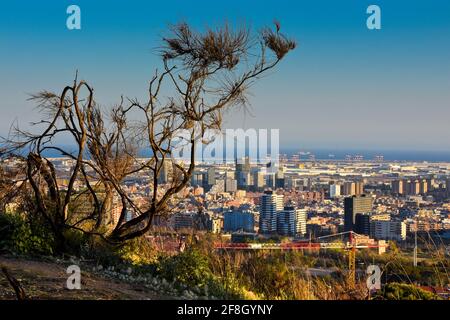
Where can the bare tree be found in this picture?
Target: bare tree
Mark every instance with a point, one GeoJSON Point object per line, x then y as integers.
{"type": "Point", "coordinates": [206, 74]}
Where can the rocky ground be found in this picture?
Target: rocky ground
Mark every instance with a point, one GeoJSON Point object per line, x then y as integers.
{"type": "Point", "coordinates": [47, 280]}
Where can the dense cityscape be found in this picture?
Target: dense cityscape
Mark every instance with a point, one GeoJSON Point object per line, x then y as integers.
{"type": "Point", "coordinates": [303, 198]}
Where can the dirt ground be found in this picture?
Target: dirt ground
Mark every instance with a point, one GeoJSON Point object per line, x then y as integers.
{"type": "Point", "coordinates": [47, 280]}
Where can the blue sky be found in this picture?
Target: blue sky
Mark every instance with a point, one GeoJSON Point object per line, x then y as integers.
{"type": "Point", "coordinates": [343, 87]}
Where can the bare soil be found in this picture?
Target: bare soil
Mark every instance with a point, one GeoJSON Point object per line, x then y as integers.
{"type": "Point", "coordinates": [44, 280]}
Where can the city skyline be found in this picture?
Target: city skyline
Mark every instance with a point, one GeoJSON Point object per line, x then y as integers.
{"type": "Point", "coordinates": [346, 87]}
{"type": "Point", "coordinates": [227, 151]}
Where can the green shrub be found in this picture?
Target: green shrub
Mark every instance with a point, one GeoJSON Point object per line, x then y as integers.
{"type": "Point", "coordinates": [138, 251]}
{"type": "Point", "coordinates": [269, 276]}
{"type": "Point", "coordinates": [76, 242]}
{"type": "Point", "coordinates": [8, 223]}
{"type": "Point", "coordinates": [401, 291]}
{"type": "Point", "coordinates": [189, 268]}
{"type": "Point", "coordinates": [23, 237]}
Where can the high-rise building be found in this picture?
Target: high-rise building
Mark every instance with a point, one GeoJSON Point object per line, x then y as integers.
{"type": "Point", "coordinates": [359, 188]}
{"type": "Point", "coordinates": [239, 220]}
{"type": "Point", "coordinates": [430, 184]}
{"type": "Point", "coordinates": [271, 180]}
{"type": "Point", "coordinates": [362, 223]}
{"type": "Point", "coordinates": [423, 186]}
{"type": "Point", "coordinates": [230, 185]}
{"type": "Point", "coordinates": [243, 176]}
{"type": "Point", "coordinates": [291, 221]}
{"type": "Point", "coordinates": [388, 230]}
{"type": "Point", "coordinates": [397, 187]}
{"type": "Point", "coordinates": [412, 187]}
{"type": "Point", "coordinates": [354, 205]}
{"type": "Point", "coordinates": [349, 188]}
{"type": "Point", "coordinates": [406, 187]}
{"type": "Point", "coordinates": [209, 179]}
{"type": "Point", "coordinates": [270, 205]}
{"type": "Point", "coordinates": [279, 178]}
{"type": "Point", "coordinates": [197, 178]}
{"type": "Point", "coordinates": [335, 190]}
{"type": "Point", "coordinates": [166, 172]}
{"type": "Point", "coordinates": [259, 180]}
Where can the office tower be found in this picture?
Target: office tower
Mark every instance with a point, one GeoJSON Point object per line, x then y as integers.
{"type": "Point", "coordinates": [362, 223]}
{"type": "Point", "coordinates": [230, 174]}
{"type": "Point", "coordinates": [243, 164]}
{"type": "Point", "coordinates": [397, 187]}
{"type": "Point", "coordinates": [239, 220]}
{"type": "Point", "coordinates": [406, 187]}
{"type": "Point", "coordinates": [211, 174]}
{"type": "Point", "coordinates": [415, 187]}
{"type": "Point", "coordinates": [354, 205]}
{"type": "Point", "coordinates": [197, 178]}
{"type": "Point", "coordinates": [412, 187]}
{"type": "Point", "coordinates": [291, 221]}
{"type": "Point", "coordinates": [270, 180]}
{"type": "Point", "coordinates": [166, 172]}
{"type": "Point", "coordinates": [259, 180]}
{"type": "Point", "coordinates": [270, 205]}
{"type": "Point", "coordinates": [430, 183]}
{"type": "Point", "coordinates": [335, 190]}
{"type": "Point", "coordinates": [230, 185]}
{"type": "Point", "coordinates": [279, 178]}
{"type": "Point", "coordinates": [423, 185]}
{"type": "Point", "coordinates": [209, 179]}
{"type": "Point", "coordinates": [359, 188]}
{"type": "Point", "coordinates": [243, 176]}
{"type": "Point", "coordinates": [349, 188]}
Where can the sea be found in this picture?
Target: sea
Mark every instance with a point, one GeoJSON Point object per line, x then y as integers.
{"type": "Point", "coordinates": [345, 154]}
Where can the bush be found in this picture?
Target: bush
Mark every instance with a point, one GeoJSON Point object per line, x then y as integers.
{"type": "Point", "coordinates": [138, 251]}
{"type": "Point", "coordinates": [76, 242]}
{"type": "Point", "coordinates": [189, 268]}
{"type": "Point", "coordinates": [19, 235]}
{"type": "Point", "coordinates": [269, 276]}
{"type": "Point", "coordinates": [401, 291]}
{"type": "Point", "coordinates": [8, 224]}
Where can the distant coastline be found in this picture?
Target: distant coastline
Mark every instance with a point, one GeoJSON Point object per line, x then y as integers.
{"type": "Point", "coordinates": [388, 155]}
{"type": "Point", "coordinates": [330, 154]}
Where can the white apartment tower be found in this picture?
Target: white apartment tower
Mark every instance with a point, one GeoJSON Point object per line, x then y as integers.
{"type": "Point", "coordinates": [271, 204]}
{"type": "Point", "coordinates": [335, 190]}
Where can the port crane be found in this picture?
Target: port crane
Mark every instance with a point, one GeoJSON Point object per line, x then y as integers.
{"type": "Point", "coordinates": [355, 242]}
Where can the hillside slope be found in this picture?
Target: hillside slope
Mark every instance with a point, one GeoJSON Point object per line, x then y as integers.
{"type": "Point", "coordinates": [47, 280]}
